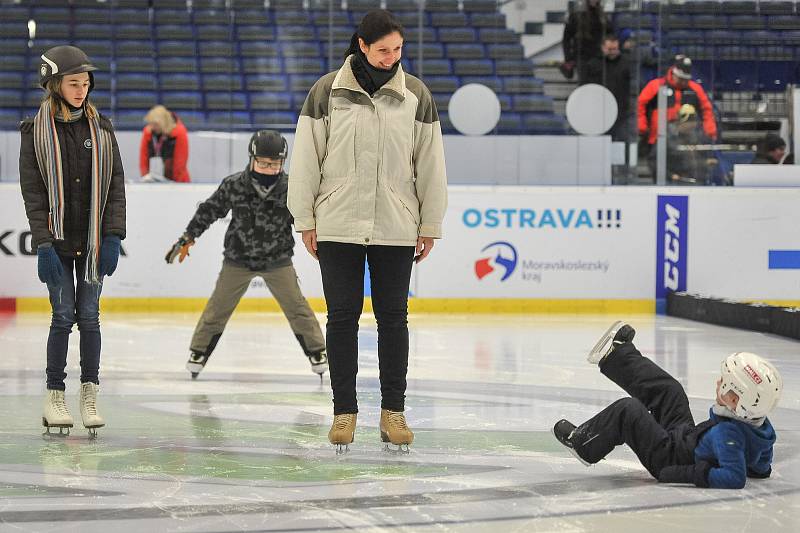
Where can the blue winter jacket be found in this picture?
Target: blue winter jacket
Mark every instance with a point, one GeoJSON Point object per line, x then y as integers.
{"type": "Point", "coordinates": [736, 451]}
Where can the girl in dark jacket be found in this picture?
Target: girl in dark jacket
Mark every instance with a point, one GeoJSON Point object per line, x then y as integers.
{"type": "Point", "coordinates": [73, 186]}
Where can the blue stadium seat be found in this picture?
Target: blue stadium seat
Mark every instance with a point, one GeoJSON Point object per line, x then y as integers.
{"type": "Point", "coordinates": [495, 35]}
{"type": "Point", "coordinates": [258, 49]}
{"type": "Point", "coordinates": [216, 48]}
{"type": "Point", "coordinates": [221, 82]}
{"type": "Point", "coordinates": [134, 49]}
{"type": "Point", "coordinates": [509, 124]}
{"type": "Point", "coordinates": [254, 32]}
{"type": "Point", "coordinates": [746, 22]}
{"type": "Point", "coordinates": [172, 32]}
{"type": "Point", "coordinates": [473, 67]}
{"type": "Point", "coordinates": [193, 119]}
{"type": "Point", "coordinates": [132, 31]}
{"type": "Point", "coordinates": [210, 17]}
{"type": "Point", "coordinates": [262, 65]}
{"type": "Point", "coordinates": [14, 64]}
{"type": "Point", "coordinates": [12, 30]}
{"type": "Point", "coordinates": [291, 18]}
{"type": "Point", "coordinates": [495, 83]}
{"type": "Point", "coordinates": [305, 65]}
{"type": "Point", "coordinates": [176, 48]}
{"type": "Point", "coordinates": [723, 37]}
{"type": "Point", "coordinates": [544, 124]}
{"type": "Point", "coordinates": [431, 67]}
{"type": "Point", "coordinates": [445, 124]}
{"type": "Point", "coordinates": [265, 101]}
{"type": "Point", "coordinates": [101, 99]}
{"type": "Point", "coordinates": [442, 101]}
{"type": "Point", "coordinates": [229, 119]}
{"type": "Point", "coordinates": [135, 64]}
{"type": "Point", "coordinates": [413, 34]}
{"type": "Point", "coordinates": [9, 118]}
{"type": "Point", "coordinates": [302, 82]}
{"type": "Point", "coordinates": [229, 100]}
{"type": "Point", "coordinates": [483, 6]}
{"type": "Point", "coordinates": [519, 67]}
{"type": "Point", "coordinates": [11, 80]}
{"type": "Point", "coordinates": [180, 64]}
{"type": "Point", "coordinates": [192, 101]}
{"type": "Point", "coordinates": [522, 84]}
{"type": "Point", "coordinates": [139, 99]}
{"type": "Point", "coordinates": [219, 65]}
{"type": "Point", "coordinates": [253, 16]}
{"type": "Point", "coordinates": [442, 84]}
{"type": "Point", "coordinates": [131, 16]}
{"type": "Point", "coordinates": [465, 51]}
{"type": "Point", "coordinates": [457, 35]}
{"type": "Point", "coordinates": [409, 19]}
{"type": "Point", "coordinates": [776, 7]}
{"type": "Point", "coordinates": [49, 14]}
{"type": "Point", "coordinates": [215, 33]}
{"type": "Point", "coordinates": [12, 13]}
{"type": "Point", "coordinates": [281, 120]}
{"type": "Point", "coordinates": [176, 17]}
{"type": "Point", "coordinates": [130, 82]}
{"type": "Point", "coordinates": [264, 82]}
{"type": "Point", "coordinates": [454, 19]}
{"type": "Point", "coordinates": [783, 22]}
{"type": "Point", "coordinates": [533, 103]}
{"type": "Point", "coordinates": [336, 18]}
{"type": "Point", "coordinates": [676, 21]}
{"type": "Point", "coordinates": [94, 48]}
{"type": "Point", "coordinates": [129, 119]}
{"type": "Point", "coordinates": [505, 102]}
{"type": "Point", "coordinates": [488, 20]}
{"type": "Point", "coordinates": [10, 98]}
{"type": "Point", "coordinates": [791, 37]}
{"type": "Point", "coordinates": [710, 22]}
{"type": "Point", "coordinates": [295, 33]}
{"type": "Point", "coordinates": [429, 50]}
{"type": "Point", "coordinates": [441, 5]}
{"type": "Point", "coordinates": [180, 82]}
{"type": "Point", "coordinates": [505, 51]}
{"type": "Point", "coordinates": [56, 31]}
{"type": "Point", "coordinates": [300, 49]}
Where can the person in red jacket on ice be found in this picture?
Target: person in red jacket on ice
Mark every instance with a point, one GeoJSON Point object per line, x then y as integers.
{"type": "Point", "coordinates": [164, 150]}
{"type": "Point", "coordinates": [681, 90]}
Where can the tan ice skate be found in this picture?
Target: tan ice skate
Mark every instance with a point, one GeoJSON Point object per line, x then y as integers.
{"type": "Point", "coordinates": [395, 431]}
{"type": "Point", "coordinates": [56, 414]}
{"type": "Point", "coordinates": [88, 401]}
{"type": "Point", "coordinates": [343, 431]}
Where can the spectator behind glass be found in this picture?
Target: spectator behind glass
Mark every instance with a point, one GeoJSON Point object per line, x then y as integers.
{"type": "Point", "coordinates": [583, 35]}
{"type": "Point", "coordinates": [682, 90]}
{"type": "Point", "coordinates": [771, 150]}
{"type": "Point", "coordinates": [164, 150]}
{"type": "Point", "coordinates": [613, 71]}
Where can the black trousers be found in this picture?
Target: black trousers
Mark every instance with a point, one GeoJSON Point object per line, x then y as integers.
{"type": "Point", "coordinates": [342, 267]}
{"type": "Point", "coordinates": [655, 422]}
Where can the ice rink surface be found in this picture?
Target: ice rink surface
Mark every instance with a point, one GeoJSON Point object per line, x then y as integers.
{"type": "Point", "coordinates": [244, 447]}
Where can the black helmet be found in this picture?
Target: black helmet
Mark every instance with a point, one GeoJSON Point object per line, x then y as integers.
{"type": "Point", "coordinates": [268, 143]}
{"type": "Point", "coordinates": [682, 67]}
{"type": "Point", "coordinates": [63, 60]}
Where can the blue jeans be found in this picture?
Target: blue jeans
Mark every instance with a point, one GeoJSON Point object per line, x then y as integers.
{"type": "Point", "coordinates": [73, 300]}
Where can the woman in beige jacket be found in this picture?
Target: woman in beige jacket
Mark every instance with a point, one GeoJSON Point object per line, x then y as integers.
{"type": "Point", "coordinates": [368, 181]}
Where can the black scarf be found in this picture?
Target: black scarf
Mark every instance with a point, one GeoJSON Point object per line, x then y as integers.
{"type": "Point", "coordinates": [265, 180]}
{"type": "Point", "coordinates": [370, 78]}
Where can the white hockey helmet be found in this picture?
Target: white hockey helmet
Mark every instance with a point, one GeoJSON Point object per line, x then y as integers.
{"type": "Point", "coordinates": [755, 381]}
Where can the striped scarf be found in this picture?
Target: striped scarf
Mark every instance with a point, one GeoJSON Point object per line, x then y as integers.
{"type": "Point", "coordinates": [48, 155]}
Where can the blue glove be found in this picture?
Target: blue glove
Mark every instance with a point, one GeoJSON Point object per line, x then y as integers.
{"type": "Point", "coordinates": [109, 255]}
{"type": "Point", "coordinates": [49, 266]}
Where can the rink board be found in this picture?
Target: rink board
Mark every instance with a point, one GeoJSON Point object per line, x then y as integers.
{"type": "Point", "coordinates": [505, 249]}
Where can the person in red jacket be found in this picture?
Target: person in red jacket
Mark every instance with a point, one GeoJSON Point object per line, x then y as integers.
{"type": "Point", "coordinates": [165, 139]}
{"type": "Point", "coordinates": [682, 90]}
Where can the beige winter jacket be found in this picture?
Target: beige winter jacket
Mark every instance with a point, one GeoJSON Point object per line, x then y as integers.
{"type": "Point", "coordinates": [368, 170]}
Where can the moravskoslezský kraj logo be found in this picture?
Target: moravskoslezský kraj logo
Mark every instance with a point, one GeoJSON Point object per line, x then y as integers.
{"type": "Point", "coordinates": [503, 257]}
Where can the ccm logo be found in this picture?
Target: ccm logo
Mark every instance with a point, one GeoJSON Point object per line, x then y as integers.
{"type": "Point", "coordinates": [753, 374]}
{"type": "Point", "coordinates": [672, 247]}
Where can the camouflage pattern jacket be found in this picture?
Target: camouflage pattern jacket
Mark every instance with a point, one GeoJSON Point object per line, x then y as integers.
{"type": "Point", "coordinates": [259, 236]}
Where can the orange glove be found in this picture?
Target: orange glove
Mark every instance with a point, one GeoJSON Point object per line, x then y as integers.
{"type": "Point", "coordinates": [180, 249]}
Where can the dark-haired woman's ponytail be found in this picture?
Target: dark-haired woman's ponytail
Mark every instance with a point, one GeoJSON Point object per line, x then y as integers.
{"type": "Point", "coordinates": [353, 45]}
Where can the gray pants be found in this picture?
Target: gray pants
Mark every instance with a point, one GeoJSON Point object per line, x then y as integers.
{"type": "Point", "coordinates": [233, 282]}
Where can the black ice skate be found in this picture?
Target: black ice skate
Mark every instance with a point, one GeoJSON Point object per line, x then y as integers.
{"type": "Point", "coordinates": [319, 363]}
{"type": "Point", "coordinates": [618, 333]}
{"type": "Point", "coordinates": [563, 430]}
{"type": "Point", "coordinates": [196, 362]}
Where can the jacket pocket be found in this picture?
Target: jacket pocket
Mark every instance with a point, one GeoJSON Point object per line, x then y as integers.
{"type": "Point", "coordinates": [403, 193]}
{"type": "Point", "coordinates": [328, 189]}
